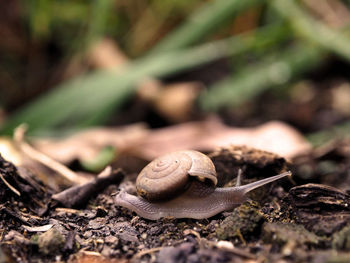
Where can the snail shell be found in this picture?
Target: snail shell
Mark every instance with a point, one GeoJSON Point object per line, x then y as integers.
{"type": "Point", "coordinates": [173, 173]}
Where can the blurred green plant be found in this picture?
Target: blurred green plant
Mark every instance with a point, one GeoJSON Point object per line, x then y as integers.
{"type": "Point", "coordinates": [98, 20]}
{"type": "Point", "coordinates": [291, 43]}
{"type": "Point", "coordinates": [312, 30]}
{"type": "Point", "coordinates": [274, 71]}
{"type": "Point", "coordinates": [336, 132]}
{"type": "Point", "coordinates": [203, 22]}
{"type": "Point", "coordinates": [90, 99]}
{"type": "Point", "coordinates": [99, 162]}
{"type": "Point", "coordinates": [103, 92]}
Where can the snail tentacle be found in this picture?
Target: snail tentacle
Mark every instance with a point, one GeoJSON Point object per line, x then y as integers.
{"type": "Point", "coordinates": [249, 187]}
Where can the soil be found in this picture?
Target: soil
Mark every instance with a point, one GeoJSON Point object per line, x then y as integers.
{"type": "Point", "coordinates": [291, 220]}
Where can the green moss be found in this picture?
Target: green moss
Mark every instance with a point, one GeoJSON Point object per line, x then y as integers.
{"type": "Point", "coordinates": [242, 223]}
{"type": "Point", "coordinates": [51, 242]}
{"type": "Point", "coordinates": [341, 239]}
{"type": "Point", "coordinates": [281, 233]}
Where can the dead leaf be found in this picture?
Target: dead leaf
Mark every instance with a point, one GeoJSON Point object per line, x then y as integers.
{"type": "Point", "coordinates": [9, 151]}
{"type": "Point", "coordinates": [340, 95]}
{"type": "Point", "coordinates": [106, 55]}
{"type": "Point", "coordinates": [334, 13]}
{"type": "Point", "coordinates": [275, 136]}
{"type": "Point", "coordinates": [85, 145]}
{"type": "Point", "coordinates": [208, 135]}
{"type": "Point", "coordinates": [174, 101]}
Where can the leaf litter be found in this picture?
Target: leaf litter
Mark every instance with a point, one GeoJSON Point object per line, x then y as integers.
{"type": "Point", "coordinates": [284, 222]}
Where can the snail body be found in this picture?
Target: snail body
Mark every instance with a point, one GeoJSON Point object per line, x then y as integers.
{"type": "Point", "coordinates": [193, 197]}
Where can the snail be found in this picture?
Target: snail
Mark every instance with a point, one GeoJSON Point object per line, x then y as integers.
{"type": "Point", "coordinates": [182, 185]}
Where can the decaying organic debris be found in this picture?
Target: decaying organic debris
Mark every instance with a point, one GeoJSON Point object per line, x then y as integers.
{"type": "Point", "coordinates": [321, 209]}
{"type": "Point", "coordinates": [314, 217]}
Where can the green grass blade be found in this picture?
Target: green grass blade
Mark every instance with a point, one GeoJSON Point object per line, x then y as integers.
{"type": "Point", "coordinates": [203, 22]}
{"type": "Point", "coordinates": [39, 14]}
{"type": "Point", "coordinates": [89, 99]}
{"type": "Point", "coordinates": [100, 11]}
{"type": "Point", "coordinates": [335, 132]}
{"type": "Point", "coordinates": [254, 79]}
{"type": "Point", "coordinates": [312, 30]}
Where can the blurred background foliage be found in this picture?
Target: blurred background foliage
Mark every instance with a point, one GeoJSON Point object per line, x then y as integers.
{"type": "Point", "coordinates": [255, 59]}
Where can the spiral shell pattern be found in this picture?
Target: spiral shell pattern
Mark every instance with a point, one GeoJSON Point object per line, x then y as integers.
{"type": "Point", "coordinates": [169, 175]}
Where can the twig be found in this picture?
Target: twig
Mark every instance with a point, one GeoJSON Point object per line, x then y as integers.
{"type": "Point", "coordinates": [10, 186]}
{"type": "Point", "coordinates": [78, 195]}
{"type": "Point", "coordinates": [44, 159]}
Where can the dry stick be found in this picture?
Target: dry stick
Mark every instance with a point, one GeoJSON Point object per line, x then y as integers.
{"type": "Point", "coordinates": [44, 159]}
{"type": "Point", "coordinates": [84, 187]}
{"type": "Point", "coordinates": [9, 186]}
{"type": "Point", "coordinates": [79, 195]}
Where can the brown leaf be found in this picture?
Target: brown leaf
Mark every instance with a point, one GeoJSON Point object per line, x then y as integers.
{"type": "Point", "coordinates": [208, 135]}
{"type": "Point", "coordinates": [175, 102]}
{"type": "Point", "coordinates": [276, 137]}
{"type": "Point", "coordinates": [106, 55]}
{"type": "Point", "coordinates": [86, 144]}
